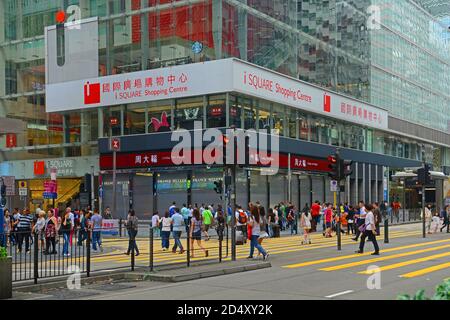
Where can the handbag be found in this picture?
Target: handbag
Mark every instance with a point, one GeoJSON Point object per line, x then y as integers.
{"type": "Point", "coordinates": [362, 228]}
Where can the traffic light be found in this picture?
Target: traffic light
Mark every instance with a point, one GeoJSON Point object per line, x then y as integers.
{"type": "Point", "coordinates": [346, 168]}
{"type": "Point", "coordinates": [225, 141]}
{"type": "Point", "coordinates": [334, 167]}
{"type": "Point", "coordinates": [423, 175]}
{"type": "Point", "coordinates": [218, 186]}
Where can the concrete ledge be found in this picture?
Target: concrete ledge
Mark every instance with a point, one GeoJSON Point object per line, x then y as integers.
{"type": "Point", "coordinates": [205, 274]}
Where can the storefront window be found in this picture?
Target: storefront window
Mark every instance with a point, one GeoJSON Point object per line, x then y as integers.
{"type": "Point", "coordinates": [303, 126]}
{"type": "Point", "coordinates": [249, 113]}
{"type": "Point", "coordinates": [235, 112]}
{"type": "Point", "coordinates": [159, 116]}
{"type": "Point", "coordinates": [188, 111]}
{"type": "Point", "coordinates": [291, 117]}
{"type": "Point", "coordinates": [112, 122]}
{"type": "Point", "coordinates": [278, 116]}
{"type": "Point", "coordinates": [265, 123]}
{"type": "Point", "coordinates": [135, 119]}
{"type": "Point", "coordinates": [216, 117]}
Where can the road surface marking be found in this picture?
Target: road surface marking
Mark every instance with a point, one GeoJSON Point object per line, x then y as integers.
{"type": "Point", "coordinates": [406, 263]}
{"type": "Point", "coordinates": [314, 262]}
{"type": "Point", "coordinates": [242, 252]}
{"type": "Point", "coordinates": [339, 294]}
{"type": "Point", "coordinates": [421, 272]}
{"type": "Point", "coordinates": [394, 256]}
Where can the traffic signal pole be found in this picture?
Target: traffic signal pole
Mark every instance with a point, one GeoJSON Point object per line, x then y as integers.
{"type": "Point", "coordinates": [423, 212]}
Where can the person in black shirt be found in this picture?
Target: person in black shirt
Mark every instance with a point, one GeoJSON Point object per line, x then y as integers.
{"type": "Point", "coordinates": [351, 220]}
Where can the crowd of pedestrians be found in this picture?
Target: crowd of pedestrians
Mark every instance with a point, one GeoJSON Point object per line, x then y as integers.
{"type": "Point", "coordinates": [22, 227]}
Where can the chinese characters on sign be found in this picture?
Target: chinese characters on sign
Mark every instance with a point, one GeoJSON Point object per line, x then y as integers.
{"type": "Point", "coordinates": [361, 113]}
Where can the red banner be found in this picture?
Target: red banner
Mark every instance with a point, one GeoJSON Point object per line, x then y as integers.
{"type": "Point", "coordinates": [163, 158]}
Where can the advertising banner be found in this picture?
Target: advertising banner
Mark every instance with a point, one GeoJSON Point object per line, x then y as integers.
{"type": "Point", "coordinates": [110, 227]}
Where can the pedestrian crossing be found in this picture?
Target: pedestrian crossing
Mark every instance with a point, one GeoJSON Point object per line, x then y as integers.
{"type": "Point", "coordinates": [424, 257]}
{"type": "Point", "coordinates": [275, 246]}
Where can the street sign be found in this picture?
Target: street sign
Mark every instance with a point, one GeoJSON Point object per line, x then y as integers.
{"type": "Point", "coordinates": [10, 184]}
{"type": "Point", "coordinates": [115, 144]}
{"type": "Point", "coordinates": [22, 184]}
{"type": "Point", "coordinates": [334, 186]}
{"type": "Point", "coordinates": [23, 192]}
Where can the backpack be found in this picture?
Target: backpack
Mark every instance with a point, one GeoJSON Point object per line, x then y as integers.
{"type": "Point", "coordinates": [242, 217]}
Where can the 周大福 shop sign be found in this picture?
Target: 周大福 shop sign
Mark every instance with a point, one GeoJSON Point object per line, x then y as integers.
{"type": "Point", "coordinates": [219, 76]}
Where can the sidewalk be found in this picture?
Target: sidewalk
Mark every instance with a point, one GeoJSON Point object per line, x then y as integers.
{"type": "Point", "coordinates": [119, 280]}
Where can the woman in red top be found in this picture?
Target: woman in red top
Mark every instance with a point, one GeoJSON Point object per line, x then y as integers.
{"type": "Point", "coordinates": [328, 217]}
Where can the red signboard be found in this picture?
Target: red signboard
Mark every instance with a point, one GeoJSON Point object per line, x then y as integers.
{"type": "Point", "coordinates": [11, 140]}
{"type": "Point", "coordinates": [39, 168]}
{"type": "Point", "coordinates": [163, 158]}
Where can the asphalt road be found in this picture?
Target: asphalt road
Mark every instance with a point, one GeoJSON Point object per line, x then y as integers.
{"type": "Point", "coordinates": [408, 263]}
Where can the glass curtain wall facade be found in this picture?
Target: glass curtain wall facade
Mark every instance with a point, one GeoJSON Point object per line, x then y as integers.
{"type": "Point", "coordinates": [401, 64]}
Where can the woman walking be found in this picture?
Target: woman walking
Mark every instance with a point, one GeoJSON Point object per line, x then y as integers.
{"type": "Point", "coordinates": [66, 228]}
{"type": "Point", "coordinates": [305, 223]}
{"type": "Point", "coordinates": [369, 231]}
{"type": "Point", "coordinates": [50, 232]}
{"type": "Point", "coordinates": [195, 232]}
{"type": "Point", "coordinates": [39, 227]}
{"type": "Point", "coordinates": [256, 229]}
{"type": "Point", "coordinates": [262, 227]}
{"type": "Point", "coordinates": [132, 227]}
{"type": "Point", "coordinates": [166, 223]}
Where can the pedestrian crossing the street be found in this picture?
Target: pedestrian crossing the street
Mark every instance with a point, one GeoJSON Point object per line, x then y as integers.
{"type": "Point", "coordinates": [275, 246]}
{"type": "Point", "coordinates": [410, 261]}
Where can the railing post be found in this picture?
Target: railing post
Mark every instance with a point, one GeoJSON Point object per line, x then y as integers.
{"type": "Point", "coordinates": [120, 228]}
{"type": "Point", "coordinates": [133, 248]}
{"type": "Point", "coordinates": [151, 248]}
{"type": "Point", "coordinates": [386, 230]}
{"type": "Point", "coordinates": [226, 249]}
{"type": "Point", "coordinates": [220, 249]}
{"type": "Point", "coordinates": [36, 259]}
{"type": "Point", "coordinates": [88, 253]}
{"type": "Point", "coordinates": [188, 247]}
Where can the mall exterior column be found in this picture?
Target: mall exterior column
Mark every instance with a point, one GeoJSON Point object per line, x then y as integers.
{"type": "Point", "coordinates": [145, 46]}
{"type": "Point", "coordinates": [217, 15]}
{"type": "Point", "coordinates": [369, 193]}
{"type": "Point", "coordinates": [242, 32]}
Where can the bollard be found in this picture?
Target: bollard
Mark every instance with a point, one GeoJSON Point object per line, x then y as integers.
{"type": "Point", "coordinates": [151, 248]}
{"type": "Point", "coordinates": [386, 230]}
{"type": "Point", "coordinates": [338, 230]}
{"type": "Point", "coordinates": [36, 260]}
{"type": "Point", "coordinates": [120, 228]}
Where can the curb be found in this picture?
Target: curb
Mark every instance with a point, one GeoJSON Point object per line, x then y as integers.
{"type": "Point", "coordinates": [196, 275]}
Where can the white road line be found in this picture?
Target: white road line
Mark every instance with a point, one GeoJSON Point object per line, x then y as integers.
{"type": "Point", "coordinates": [339, 294]}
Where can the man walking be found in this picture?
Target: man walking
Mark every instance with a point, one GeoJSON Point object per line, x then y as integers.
{"type": "Point", "coordinates": [207, 221]}
{"type": "Point", "coordinates": [178, 226]}
{"type": "Point", "coordinates": [185, 212]}
{"type": "Point", "coordinates": [24, 227]}
{"type": "Point", "coordinates": [96, 221]}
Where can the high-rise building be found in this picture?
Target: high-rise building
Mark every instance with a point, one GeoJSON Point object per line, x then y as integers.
{"type": "Point", "coordinates": [386, 62]}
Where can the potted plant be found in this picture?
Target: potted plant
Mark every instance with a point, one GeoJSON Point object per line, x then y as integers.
{"type": "Point", "coordinates": [5, 274]}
